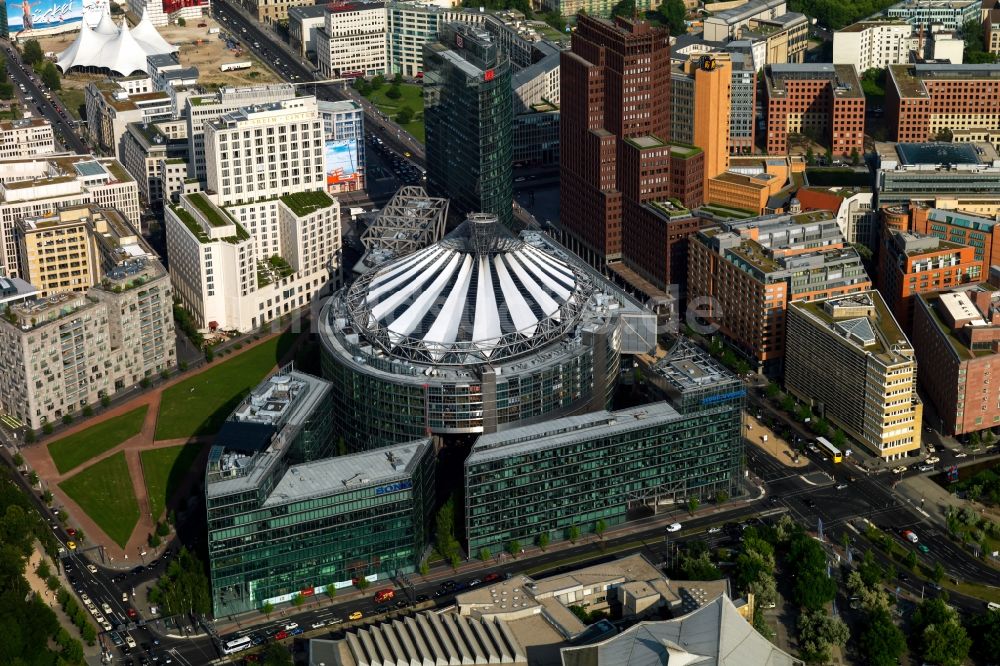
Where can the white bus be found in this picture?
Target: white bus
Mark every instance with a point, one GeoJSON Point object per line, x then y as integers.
{"type": "Point", "coordinates": [238, 645]}
{"type": "Point", "coordinates": [232, 66]}
{"type": "Point", "coordinates": [830, 450]}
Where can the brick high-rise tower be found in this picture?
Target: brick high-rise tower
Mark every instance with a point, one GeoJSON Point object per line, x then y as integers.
{"type": "Point", "coordinates": [615, 129]}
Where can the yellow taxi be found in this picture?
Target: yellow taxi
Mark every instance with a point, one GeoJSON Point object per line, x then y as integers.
{"type": "Point", "coordinates": [356, 615]}
{"type": "Point", "coordinates": [71, 545]}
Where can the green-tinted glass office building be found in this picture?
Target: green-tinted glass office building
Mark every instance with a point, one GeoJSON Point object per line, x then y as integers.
{"type": "Point", "coordinates": [609, 466]}
{"type": "Point", "coordinates": [284, 518]}
{"type": "Point", "coordinates": [469, 122]}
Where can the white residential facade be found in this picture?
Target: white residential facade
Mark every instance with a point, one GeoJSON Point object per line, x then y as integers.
{"type": "Point", "coordinates": [26, 137]}
{"type": "Point", "coordinates": [264, 239]}
{"type": "Point", "coordinates": [873, 44]}
{"type": "Point", "coordinates": [32, 188]}
{"type": "Point", "coordinates": [352, 41]}
{"type": "Point", "coordinates": [200, 108]}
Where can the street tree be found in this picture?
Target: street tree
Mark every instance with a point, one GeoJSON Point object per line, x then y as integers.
{"type": "Point", "coordinates": [573, 533]}
{"type": "Point", "coordinates": [266, 609]}
{"type": "Point", "coordinates": [600, 527]}
{"type": "Point", "coordinates": [882, 642]}
{"type": "Point", "coordinates": [485, 554]}
{"type": "Point", "coordinates": [543, 541]}
{"type": "Point", "coordinates": [514, 548]}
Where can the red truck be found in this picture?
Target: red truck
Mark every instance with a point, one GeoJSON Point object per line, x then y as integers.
{"type": "Point", "coordinates": [383, 596]}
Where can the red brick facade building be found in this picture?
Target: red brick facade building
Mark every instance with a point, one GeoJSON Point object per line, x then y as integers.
{"type": "Point", "coordinates": [956, 337]}
{"type": "Point", "coordinates": [923, 100]}
{"type": "Point", "coordinates": [817, 100]}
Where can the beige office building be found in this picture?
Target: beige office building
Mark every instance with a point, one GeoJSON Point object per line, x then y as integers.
{"type": "Point", "coordinates": [57, 251]}
{"type": "Point", "coordinates": [850, 360]}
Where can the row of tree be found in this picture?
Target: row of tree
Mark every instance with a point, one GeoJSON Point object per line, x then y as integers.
{"type": "Point", "coordinates": [184, 589]}
{"type": "Point", "coordinates": [31, 631]}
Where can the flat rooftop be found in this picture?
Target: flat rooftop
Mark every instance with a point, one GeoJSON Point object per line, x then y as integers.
{"type": "Point", "coordinates": [388, 469]}
{"type": "Point", "coordinates": [877, 333]}
{"type": "Point", "coordinates": [843, 78]}
{"type": "Point", "coordinates": [563, 431]}
{"type": "Point", "coordinates": [937, 152]}
{"type": "Point", "coordinates": [687, 367]}
{"type": "Point", "coordinates": [909, 78]}
{"type": "Point", "coordinates": [861, 26]}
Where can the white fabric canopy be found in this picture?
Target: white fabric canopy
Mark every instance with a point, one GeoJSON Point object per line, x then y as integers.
{"type": "Point", "coordinates": [121, 50]}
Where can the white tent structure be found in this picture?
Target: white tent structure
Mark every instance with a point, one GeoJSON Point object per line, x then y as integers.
{"type": "Point", "coordinates": [121, 50]}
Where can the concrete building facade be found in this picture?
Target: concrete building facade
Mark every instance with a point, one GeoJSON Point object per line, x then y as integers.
{"type": "Point", "coordinates": [873, 44]}
{"type": "Point", "coordinates": [265, 238]}
{"type": "Point", "coordinates": [849, 359]}
{"type": "Point", "coordinates": [36, 188]}
{"type": "Point", "coordinates": [26, 137]}
{"type": "Point", "coordinates": [352, 41]}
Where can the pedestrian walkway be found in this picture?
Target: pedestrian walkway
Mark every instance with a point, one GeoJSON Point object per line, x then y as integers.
{"type": "Point", "coordinates": [37, 456]}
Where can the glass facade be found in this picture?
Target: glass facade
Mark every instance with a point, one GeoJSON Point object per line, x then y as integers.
{"type": "Point", "coordinates": [576, 471]}
{"type": "Point", "coordinates": [264, 548]}
{"type": "Point", "coordinates": [468, 117]}
{"type": "Point", "coordinates": [378, 402]}
{"type": "Point", "coordinates": [286, 517]}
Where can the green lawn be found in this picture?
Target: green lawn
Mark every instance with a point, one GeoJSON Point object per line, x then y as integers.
{"type": "Point", "coordinates": [164, 470]}
{"type": "Point", "coordinates": [74, 101]}
{"type": "Point", "coordinates": [199, 404]}
{"type": "Point", "coordinates": [104, 491]}
{"type": "Point", "coordinates": [70, 451]}
{"type": "Point", "coordinates": [412, 96]}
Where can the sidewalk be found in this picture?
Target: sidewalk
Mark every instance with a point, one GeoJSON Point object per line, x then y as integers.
{"type": "Point", "coordinates": [38, 458]}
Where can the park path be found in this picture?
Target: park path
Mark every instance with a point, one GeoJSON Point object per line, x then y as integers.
{"type": "Point", "coordinates": [42, 463]}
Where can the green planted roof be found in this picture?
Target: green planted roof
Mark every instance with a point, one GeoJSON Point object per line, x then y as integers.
{"type": "Point", "coordinates": [303, 203]}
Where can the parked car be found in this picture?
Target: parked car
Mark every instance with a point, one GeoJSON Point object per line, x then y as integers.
{"type": "Point", "coordinates": [926, 468]}
{"type": "Point", "coordinates": [899, 470]}
{"type": "Point", "coordinates": [319, 624]}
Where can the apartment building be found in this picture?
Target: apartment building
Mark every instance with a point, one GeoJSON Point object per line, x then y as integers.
{"type": "Point", "coordinates": [600, 8]}
{"type": "Point", "coordinates": [873, 44]}
{"type": "Point", "coordinates": [35, 188]}
{"type": "Point", "coordinates": [111, 107]}
{"type": "Point", "coordinates": [912, 263]}
{"type": "Point", "coordinates": [352, 41]}
{"type": "Point", "coordinates": [58, 252]}
{"type": "Point", "coordinates": [952, 14]}
{"type": "Point", "coordinates": [264, 238]}
{"type": "Point", "coordinates": [729, 23]}
{"type": "Point", "coordinates": [148, 150]}
{"type": "Point", "coordinates": [956, 335]}
{"type": "Point", "coordinates": [303, 22]}
{"type": "Point", "coordinates": [849, 358]}
{"type": "Point", "coordinates": [26, 137]}
{"type": "Point", "coordinates": [272, 11]}
{"type": "Point", "coordinates": [68, 350]}
{"type": "Point", "coordinates": [747, 272]}
{"type": "Point", "coordinates": [956, 176]}
{"type": "Point", "coordinates": [211, 106]}
{"type": "Point", "coordinates": [981, 233]}
{"type": "Point", "coordinates": [924, 100]}
{"type": "Point", "coordinates": [991, 31]}
{"type": "Point", "coordinates": [818, 100]}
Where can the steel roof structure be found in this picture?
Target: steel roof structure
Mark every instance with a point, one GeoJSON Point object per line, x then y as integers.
{"type": "Point", "coordinates": [477, 296]}
{"type": "Point", "coordinates": [411, 221]}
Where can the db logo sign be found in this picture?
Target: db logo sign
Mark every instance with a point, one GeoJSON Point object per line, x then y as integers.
{"type": "Point", "coordinates": [488, 75]}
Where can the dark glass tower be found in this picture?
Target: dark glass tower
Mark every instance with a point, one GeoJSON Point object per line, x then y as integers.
{"type": "Point", "coordinates": [469, 119]}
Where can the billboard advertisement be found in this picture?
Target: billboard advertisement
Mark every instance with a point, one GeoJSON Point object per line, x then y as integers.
{"type": "Point", "coordinates": [341, 159]}
{"type": "Point", "coordinates": [43, 16]}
